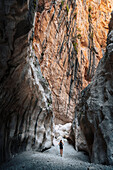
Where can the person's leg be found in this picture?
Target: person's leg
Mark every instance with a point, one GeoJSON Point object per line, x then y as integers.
{"type": "Point", "coordinates": [61, 152]}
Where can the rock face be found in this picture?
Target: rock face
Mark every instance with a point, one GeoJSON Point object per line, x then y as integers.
{"type": "Point", "coordinates": [62, 131]}
{"type": "Point", "coordinates": [96, 108]}
{"type": "Point", "coordinates": [77, 137]}
{"type": "Point", "coordinates": [70, 39]}
{"type": "Point", "coordinates": [26, 118]}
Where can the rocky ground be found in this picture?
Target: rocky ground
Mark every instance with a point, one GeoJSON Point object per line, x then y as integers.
{"type": "Point", "coordinates": [50, 159]}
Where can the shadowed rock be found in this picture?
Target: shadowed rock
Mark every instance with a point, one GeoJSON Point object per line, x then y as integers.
{"type": "Point", "coordinates": [26, 118]}
{"type": "Point", "coordinates": [95, 108]}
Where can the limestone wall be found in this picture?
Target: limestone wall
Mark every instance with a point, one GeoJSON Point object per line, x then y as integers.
{"type": "Point", "coordinates": [70, 40]}
{"type": "Point", "coordinates": [26, 117]}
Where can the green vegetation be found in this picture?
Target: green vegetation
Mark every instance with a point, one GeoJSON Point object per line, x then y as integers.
{"type": "Point", "coordinates": [75, 45]}
{"type": "Point", "coordinates": [75, 15]}
{"type": "Point", "coordinates": [62, 2]}
{"type": "Point", "coordinates": [89, 9]}
{"type": "Point", "coordinates": [32, 47]}
{"type": "Point", "coordinates": [79, 36]}
{"type": "Point", "coordinates": [67, 8]}
{"type": "Point", "coordinates": [89, 16]}
{"type": "Point", "coordinates": [34, 3]}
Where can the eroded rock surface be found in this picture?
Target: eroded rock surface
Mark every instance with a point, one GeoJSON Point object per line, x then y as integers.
{"type": "Point", "coordinates": [62, 131]}
{"type": "Point", "coordinates": [77, 137]}
{"type": "Point", "coordinates": [26, 118]}
{"type": "Point", "coordinates": [70, 39]}
{"type": "Point", "coordinates": [96, 108]}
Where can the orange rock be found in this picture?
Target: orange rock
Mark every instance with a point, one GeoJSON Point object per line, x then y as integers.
{"type": "Point", "coordinates": [69, 42]}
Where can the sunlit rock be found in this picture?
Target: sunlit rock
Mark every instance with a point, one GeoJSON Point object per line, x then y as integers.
{"type": "Point", "coordinates": [70, 40]}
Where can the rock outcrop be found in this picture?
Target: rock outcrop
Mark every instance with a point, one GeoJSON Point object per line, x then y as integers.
{"type": "Point", "coordinates": [70, 39]}
{"type": "Point", "coordinates": [26, 117]}
{"type": "Point", "coordinates": [95, 108]}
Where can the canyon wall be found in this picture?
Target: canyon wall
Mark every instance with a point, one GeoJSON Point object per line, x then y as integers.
{"type": "Point", "coordinates": [26, 117]}
{"type": "Point", "coordinates": [70, 40]}
{"type": "Point", "coordinates": [95, 108]}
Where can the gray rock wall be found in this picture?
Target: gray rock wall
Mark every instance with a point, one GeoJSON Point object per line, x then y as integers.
{"type": "Point", "coordinates": [95, 108]}
{"type": "Point", "coordinates": [26, 117]}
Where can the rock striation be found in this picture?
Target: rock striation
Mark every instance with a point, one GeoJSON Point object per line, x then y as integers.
{"type": "Point", "coordinates": [70, 40]}
{"type": "Point", "coordinates": [26, 117]}
{"type": "Point", "coordinates": [95, 108]}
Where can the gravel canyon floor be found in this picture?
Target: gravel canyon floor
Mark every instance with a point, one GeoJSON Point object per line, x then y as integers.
{"type": "Point", "coordinates": [51, 160]}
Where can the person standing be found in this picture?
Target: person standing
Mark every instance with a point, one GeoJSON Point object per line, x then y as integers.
{"type": "Point", "coordinates": [61, 147]}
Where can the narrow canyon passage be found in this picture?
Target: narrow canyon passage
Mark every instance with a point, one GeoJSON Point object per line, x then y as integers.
{"type": "Point", "coordinates": [56, 66]}
{"type": "Point", "coordinates": [51, 160]}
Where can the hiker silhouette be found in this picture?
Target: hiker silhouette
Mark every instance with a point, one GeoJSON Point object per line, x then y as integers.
{"type": "Point", "coordinates": [61, 147]}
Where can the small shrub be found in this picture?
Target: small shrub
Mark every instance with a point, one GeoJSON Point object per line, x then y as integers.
{"type": "Point", "coordinates": [34, 3]}
{"type": "Point", "coordinates": [89, 9]}
{"type": "Point", "coordinates": [67, 8]}
{"type": "Point", "coordinates": [75, 15]}
{"type": "Point", "coordinates": [75, 45]}
{"type": "Point", "coordinates": [89, 16]}
{"type": "Point", "coordinates": [79, 36]}
{"type": "Point", "coordinates": [62, 2]}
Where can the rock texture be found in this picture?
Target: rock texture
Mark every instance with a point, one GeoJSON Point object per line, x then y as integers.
{"type": "Point", "coordinates": [62, 131]}
{"type": "Point", "coordinates": [70, 39]}
{"type": "Point", "coordinates": [26, 118]}
{"type": "Point", "coordinates": [96, 108]}
{"type": "Point", "coordinates": [77, 137]}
